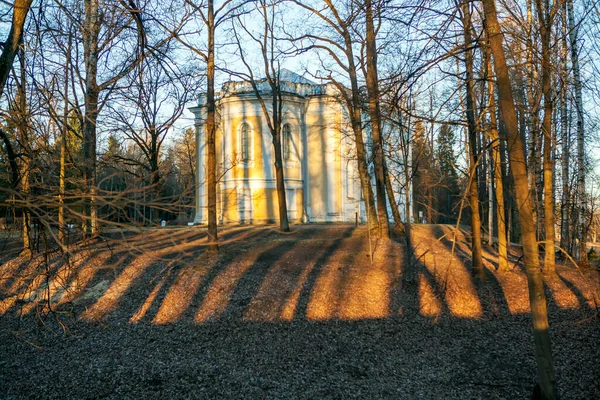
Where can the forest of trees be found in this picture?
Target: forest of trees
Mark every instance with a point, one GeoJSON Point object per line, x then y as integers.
{"type": "Point", "coordinates": [492, 106]}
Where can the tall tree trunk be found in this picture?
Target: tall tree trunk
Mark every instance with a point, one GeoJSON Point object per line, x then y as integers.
{"type": "Point", "coordinates": [498, 176]}
{"type": "Point", "coordinates": [545, 23]}
{"type": "Point", "coordinates": [91, 33]}
{"type": "Point", "coordinates": [22, 128]}
{"type": "Point", "coordinates": [375, 115]}
{"type": "Point", "coordinates": [490, 187]}
{"type": "Point", "coordinates": [284, 225]}
{"type": "Point", "coordinates": [581, 250]}
{"type": "Point", "coordinates": [61, 189]}
{"type": "Point", "coordinates": [355, 106]}
{"type": "Point", "coordinates": [277, 103]}
{"type": "Point", "coordinates": [9, 52]}
{"type": "Point", "coordinates": [211, 149]}
{"type": "Point", "coordinates": [537, 295]}
{"type": "Point", "coordinates": [565, 231]}
{"type": "Point", "coordinates": [63, 149]}
{"type": "Point", "coordinates": [533, 102]}
{"type": "Point", "coordinates": [473, 156]}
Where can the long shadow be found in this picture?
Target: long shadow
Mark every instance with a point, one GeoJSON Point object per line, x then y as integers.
{"type": "Point", "coordinates": [249, 284]}
{"type": "Point", "coordinates": [37, 279]}
{"type": "Point", "coordinates": [400, 264]}
{"type": "Point", "coordinates": [414, 271]}
{"type": "Point", "coordinates": [583, 302]}
{"type": "Point", "coordinates": [304, 297]}
{"type": "Point", "coordinates": [490, 291]}
{"type": "Point", "coordinates": [228, 254]}
{"type": "Point", "coordinates": [459, 358]}
{"type": "Point", "coordinates": [176, 273]}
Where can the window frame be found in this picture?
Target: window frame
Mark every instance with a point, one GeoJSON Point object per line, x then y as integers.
{"type": "Point", "coordinates": [247, 159]}
{"type": "Point", "coordinates": [287, 142]}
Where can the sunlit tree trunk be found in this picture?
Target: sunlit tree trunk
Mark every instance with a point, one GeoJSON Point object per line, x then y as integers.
{"type": "Point", "coordinates": [392, 199]}
{"type": "Point", "coordinates": [565, 231]}
{"type": "Point", "coordinates": [473, 156]}
{"type": "Point", "coordinates": [497, 161]}
{"type": "Point", "coordinates": [357, 129]}
{"type": "Point", "coordinates": [372, 81]}
{"type": "Point", "coordinates": [537, 295]}
{"type": "Point", "coordinates": [580, 248]}
{"type": "Point", "coordinates": [91, 35]}
{"type": "Point", "coordinates": [12, 43]}
{"type": "Point", "coordinates": [277, 103]}
{"type": "Point", "coordinates": [63, 150]}
{"type": "Point", "coordinates": [533, 122]}
{"type": "Point", "coordinates": [545, 23]}
{"type": "Point", "coordinates": [211, 150]}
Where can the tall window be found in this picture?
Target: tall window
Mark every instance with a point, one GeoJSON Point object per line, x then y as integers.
{"type": "Point", "coordinates": [245, 142]}
{"type": "Point", "coordinates": [287, 142]}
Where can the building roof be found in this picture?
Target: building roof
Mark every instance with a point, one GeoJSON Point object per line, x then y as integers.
{"type": "Point", "coordinates": [285, 75]}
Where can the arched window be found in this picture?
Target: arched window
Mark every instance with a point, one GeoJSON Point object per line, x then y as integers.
{"type": "Point", "coordinates": [245, 142]}
{"type": "Point", "coordinates": [287, 142]}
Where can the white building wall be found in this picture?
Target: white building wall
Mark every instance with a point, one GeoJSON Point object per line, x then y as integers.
{"type": "Point", "coordinates": [328, 171]}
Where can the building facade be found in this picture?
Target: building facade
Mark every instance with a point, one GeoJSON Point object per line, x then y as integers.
{"type": "Point", "coordinates": [320, 168]}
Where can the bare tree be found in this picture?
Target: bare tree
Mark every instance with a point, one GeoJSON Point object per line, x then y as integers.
{"type": "Point", "coordinates": [266, 42]}
{"type": "Point", "coordinates": [537, 295]}
{"type": "Point", "coordinates": [580, 249]}
{"type": "Point", "coordinates": [114, 23]}
{"type": "Point", "coordinates": [375, 115]}
{"type": "Point", "coordinates": [545, 19]}
{"type": "Point", "coordinates": [341, 25]}
{"type": "Point", "coordinates": [473, 148]}
{"type": "Point", "coordinates": [147, 110]}
{"type": "Point", "coordinates": [497, 163]}
{"type": "Point", "coordinates": [9, 52]}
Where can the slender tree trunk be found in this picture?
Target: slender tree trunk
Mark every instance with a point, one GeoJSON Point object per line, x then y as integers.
{"type": "Point", "coordinates": [284, 225]}
{"type": "Point", "coordinates": [498, 176]}
{"type": "Point", "coordinates": [392, 198]}
{"type": "Point", "coordinates": [545, 23]}
{"type": "Point", "coordinates": [63, 149]}
{"type": "Point", "coordinates": [22, 122]}
{"type": "Point", "coordinates": [277, 103]}
{"type": "Point", "coordinates": [581, 250]}
{"type": "Point", "coordinates": [537, 295]}
{"type": "Point", "coordinates": [211, 149]}
{"type": "Point", "coordinates": [533, 101]}
{"type": "Point", "coordinates": [91, 33]}
{"type": "Point", "coordinates": [565, 231]}
{"type": "Point", "coordinates": [490, 187]}
{"type": "Point", "coordinates": [61, 189]}
{"type": "Point", "coordinates": [154, 177]}
{"type": "Point", "coordinates": [473, 156]}
{"type": "Point", "coordinates": [356, 121]}
{"type": "Point", "coordinates": [353, 102]}
{"type": "Point", "coordinates": [363, 171]}
{"type": "Point", "coordinates": [375, 114]}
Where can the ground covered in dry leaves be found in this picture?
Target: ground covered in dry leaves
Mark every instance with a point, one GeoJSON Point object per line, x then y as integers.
{"type": "Point", "coordinates": [298, 315]}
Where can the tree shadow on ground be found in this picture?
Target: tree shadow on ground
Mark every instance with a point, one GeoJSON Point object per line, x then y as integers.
{"type": "Point", "coordinates": [307, 313]}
